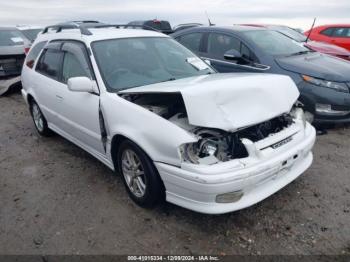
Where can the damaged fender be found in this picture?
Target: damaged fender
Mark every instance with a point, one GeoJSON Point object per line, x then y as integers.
{"type": "Point", "coordinates": [158, 137]}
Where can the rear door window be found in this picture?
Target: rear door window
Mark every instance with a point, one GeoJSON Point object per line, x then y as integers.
{"type": "Point", "coordinates": [191, 41]}
{"type": "Point", "coordinates": [219, 44]}
{"type": "Point", "coordinates": [50, 63]}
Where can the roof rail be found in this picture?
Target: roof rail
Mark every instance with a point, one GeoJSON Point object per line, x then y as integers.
{"type": "Point", "coordinates": [83, 27]}
{"type": "Point", "coordinates": [86, 21]}
{"type": "Point", "coordinates": [126, 26]}
{"type": "Point", "coordinates": [70, 25]}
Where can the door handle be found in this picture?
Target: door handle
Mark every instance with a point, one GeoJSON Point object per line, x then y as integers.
{"type": "Point", "coordinates": [59, 97]}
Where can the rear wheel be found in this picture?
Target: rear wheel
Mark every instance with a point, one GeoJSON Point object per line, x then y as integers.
{"type": "Point", "coordinates": [139, 174]}
{"type": "Point", "coordinates": [39, 120]}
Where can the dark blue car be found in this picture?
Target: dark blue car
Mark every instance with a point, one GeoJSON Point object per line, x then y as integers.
{"type": "Point", "coordinates": [323, 81]}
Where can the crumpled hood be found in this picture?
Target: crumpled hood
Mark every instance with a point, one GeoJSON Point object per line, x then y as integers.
{"type": "Point", "coordinates": [327, 48]}
{"type": "Point", "coordinates": [317, 65]}
{"type": "Point", "coordinates": [230, 101]}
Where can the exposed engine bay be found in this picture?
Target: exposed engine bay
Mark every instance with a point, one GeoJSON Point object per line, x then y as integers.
{"type": "Point", "coordinates": [214, 145]}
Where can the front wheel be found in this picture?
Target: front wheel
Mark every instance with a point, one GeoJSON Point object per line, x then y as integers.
{"type": "Point", "coordinates": [39, 120]}
{"type": "Point", "coordinates": [139, 174]}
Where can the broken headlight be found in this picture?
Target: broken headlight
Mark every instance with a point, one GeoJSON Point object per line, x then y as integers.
{"type": "Point", "coordinates": [211, 147]}
{"type": "Point", "coordinates": [298, 114]}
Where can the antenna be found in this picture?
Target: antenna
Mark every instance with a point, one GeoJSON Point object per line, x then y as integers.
{"type": "Point", "coordinates": [308, 36]}
{"type": "Point", "coordinates": [210, 23]}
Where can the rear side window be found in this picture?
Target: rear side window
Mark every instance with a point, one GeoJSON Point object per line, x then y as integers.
{"type": "Point", "coordinates": [327, 32]}
{"type": "Point", "coordinates": [219, 44]}
{"type": "Point", "coordinates": [34, 52]}
{"type": "Point", "coordinates": [50, 63]}
{"type": "Point", "coordinates": [191, 41]}
{"type": "Point", "coordinates": [11, 38]}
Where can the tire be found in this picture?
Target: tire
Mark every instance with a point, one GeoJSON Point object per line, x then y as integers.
{"type": "Point", "coordinates": [39, 120]}
{"type": "Point", "coordinates": [139, 175]}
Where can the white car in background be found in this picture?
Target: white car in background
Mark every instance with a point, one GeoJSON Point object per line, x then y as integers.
{"type": "Point", "coordinates": [173, 128]}
{"type": "Point", "coordinates": [31, 33]}
{"type": "Point", "coordinates": [12, 54]}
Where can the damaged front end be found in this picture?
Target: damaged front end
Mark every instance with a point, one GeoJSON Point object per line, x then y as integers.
{"type": "Point", "coordinates": [214, 145]}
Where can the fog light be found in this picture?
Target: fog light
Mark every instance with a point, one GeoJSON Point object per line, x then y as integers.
{"type": "Point", "coordinates": [325, 109]}
{"type": "Point", "coordinates": [229, 197]}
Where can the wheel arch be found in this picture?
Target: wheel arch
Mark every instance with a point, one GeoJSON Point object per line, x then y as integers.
{"type": "Point", "coordinates": [117, 139]}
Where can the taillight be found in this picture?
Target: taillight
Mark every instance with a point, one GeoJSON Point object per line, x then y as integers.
{"type": "Point", "coordinates": [26, 50]}
{"type": "Point", "coordinates": [156, 21]}
{"type": "Point", "coordinates": [30, 63]}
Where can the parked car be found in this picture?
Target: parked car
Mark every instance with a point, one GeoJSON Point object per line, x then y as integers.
{"type": "Point", "coordinates": [324, 81]}
{"type": "Point", "coordinates": [12, 43]}
{"type": "Point", "coordinates": [159, 25]}
{"type": "Point", "coordinates": [150, 109]}
{"type": "Point", "coordinates": [30, 32]}
{"type": "Point", "coordinates": [335, 34]}
{"type": "Point", "coordinates": [185, 26]}
{"type": "Point", "coordinates": [321, 47]}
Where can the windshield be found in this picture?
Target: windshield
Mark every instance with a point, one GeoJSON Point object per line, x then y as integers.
{"type": "Point", "coordinates": [31, 34]}
{"type": "Point", "coordinates": [10, 38]}
{"type": "Point", "coordinates": [290, 33]}
{"type": "Point", "coordinates": [132, 62]}
{"type": "Point", "coordinates": [275, 43]}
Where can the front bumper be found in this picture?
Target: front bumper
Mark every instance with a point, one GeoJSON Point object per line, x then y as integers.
{"type": "Point", "coordinates": [7, 83]}
{"type": "Point", "coordinates": [256, 179]}
{"type": "Point", "coordinates": [338, 101]}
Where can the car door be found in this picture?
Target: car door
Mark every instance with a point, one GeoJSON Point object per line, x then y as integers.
{"type": "Point", "coordinates": [79, 111]}
{"type": "Point", "coordinates": [217, 44]}
{"type": "Point", "coordinates": [47, 84]}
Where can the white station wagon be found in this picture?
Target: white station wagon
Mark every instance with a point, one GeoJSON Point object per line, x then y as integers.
{"type": "Point", "coordinates": [154, 112]}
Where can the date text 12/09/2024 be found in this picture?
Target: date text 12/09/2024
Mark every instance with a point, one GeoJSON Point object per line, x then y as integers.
{"type": "Point", "coordinates": [174, 258]}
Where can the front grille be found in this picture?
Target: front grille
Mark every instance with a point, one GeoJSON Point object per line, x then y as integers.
{"type": "Point", "coordinates": [11, 64]}
{"type": "Point", "coordinates": [263, 130]}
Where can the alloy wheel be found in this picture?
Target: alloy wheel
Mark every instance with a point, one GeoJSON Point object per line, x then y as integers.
{"type": "Point", "coordinates": [133, 173]}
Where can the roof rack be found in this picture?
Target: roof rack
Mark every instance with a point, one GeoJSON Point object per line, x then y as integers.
{"type": "Point", "coordinates": [86, 21]}
{"type": "Point", "coordinates": [70, 25]}
{"type": "Point", "coordinates": [126, 26]}
{"type": "Point", "coordinates": [84, 26]}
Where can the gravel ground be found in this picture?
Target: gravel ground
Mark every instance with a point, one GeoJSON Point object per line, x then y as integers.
{"type": "Point", "coordinates": [57, 199]}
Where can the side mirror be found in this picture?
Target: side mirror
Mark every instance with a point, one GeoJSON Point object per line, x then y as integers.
{"type": "Point", "coordinates": [82, 84]}
{"type": "Point", "coordinates": [232, 55]}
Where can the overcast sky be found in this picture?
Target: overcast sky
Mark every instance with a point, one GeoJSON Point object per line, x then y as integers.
{"type": "Point", "coordinates": [295, 13]}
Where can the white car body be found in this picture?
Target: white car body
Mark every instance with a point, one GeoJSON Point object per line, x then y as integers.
{"type": "Point", "coordinates": [229, 102]}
